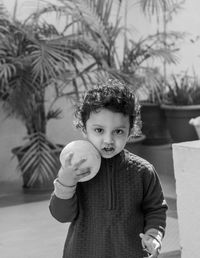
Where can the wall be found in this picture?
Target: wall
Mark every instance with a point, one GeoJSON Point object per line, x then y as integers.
{"type": "Point", "coordinates": [11, 131]}
{"type": "Point", "coordinates": [188, 20]}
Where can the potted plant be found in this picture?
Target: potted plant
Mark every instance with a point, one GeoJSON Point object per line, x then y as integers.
{"type": "Point", "coordinates": [33, 57]}
{"type": "Point", "coordinates": [153, 118]}
{"type": "Point", "coordinates": [181, 103]}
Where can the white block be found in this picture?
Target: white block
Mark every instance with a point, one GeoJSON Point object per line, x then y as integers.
{"type": "Point", "coordinates": [186, 158]}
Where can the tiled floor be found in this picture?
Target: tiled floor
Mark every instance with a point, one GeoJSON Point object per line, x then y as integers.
{"type": "Point", "coordinates": [28, 231]}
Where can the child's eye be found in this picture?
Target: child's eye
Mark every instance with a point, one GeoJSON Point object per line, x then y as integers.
{"type": "Point", "coordinates": [98, 130]}
{"type": "Point", "coordinates": [119, 131]}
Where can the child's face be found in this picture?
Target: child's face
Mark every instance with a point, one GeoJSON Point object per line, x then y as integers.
{"type": "Point", "coordinates": [107, 131]}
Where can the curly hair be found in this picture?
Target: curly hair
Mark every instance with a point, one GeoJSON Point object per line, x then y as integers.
{"type": "Point", "coordinates": [113, 95]}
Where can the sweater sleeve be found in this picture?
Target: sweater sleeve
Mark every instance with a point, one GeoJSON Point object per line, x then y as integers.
{"type": "Point", "coordinates": [154, 204]}
{"type": "Point", "coordinates": [63, 203]}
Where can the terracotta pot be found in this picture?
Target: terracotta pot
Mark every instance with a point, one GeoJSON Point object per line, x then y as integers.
{"type": "Point", "coordinates": [154, 125]}
{"type": "Point", "coordinates": [178, 118]}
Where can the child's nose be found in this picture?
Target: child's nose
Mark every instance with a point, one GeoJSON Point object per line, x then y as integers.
{"type": "Point", "coordinates": [108, 139]}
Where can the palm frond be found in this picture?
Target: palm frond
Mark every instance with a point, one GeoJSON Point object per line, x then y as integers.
{"type": "Point", "coordinates": [4, 14]}
{"type": "Point", "coordinates": [50, 57]}
{"type": "Point", "coordinates": [54, 114]}
{"type": "Point", "coordinates": [164, 55]}
{"type": "Point", "coordinates": [94, 17]}
{"type": "Point", "coordinates": [20, 88]}
{"type": "Point", "coordinates": [153, 7]}
{"type": "Point", "coordinates": [86, 45]}
{"type": "Point", "coordinates": [87, 13]}
{"type": "Point", "coordinates": [7, 70]}
{"type": "Point", "coordinates": [39, 159]}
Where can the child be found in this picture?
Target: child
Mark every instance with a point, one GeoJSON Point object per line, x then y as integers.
{"type": "Point", "coordinates": [121, 212]}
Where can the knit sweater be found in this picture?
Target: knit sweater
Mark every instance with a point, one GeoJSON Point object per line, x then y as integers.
{"type": "Point", "coordinates": [108, 213]}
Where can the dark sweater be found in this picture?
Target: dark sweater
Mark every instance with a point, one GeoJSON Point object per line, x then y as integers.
{"type": "Point", "coordinates": [108, 213]}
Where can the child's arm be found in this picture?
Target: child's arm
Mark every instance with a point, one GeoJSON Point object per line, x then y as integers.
{"type": "Point", "coordinates": [154, 208]}
{"type": "Point", "coordinates": [63, 203]}
{"type": "Point", "coordinates": [154, 205]}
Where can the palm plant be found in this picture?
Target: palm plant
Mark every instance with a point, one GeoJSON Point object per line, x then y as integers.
{"type": "Point", "coordinates": [31, 58]}
{"type": "Point", "coordinates": [182, 90]}
{"type": "Point", "coordinates": [98, 31]}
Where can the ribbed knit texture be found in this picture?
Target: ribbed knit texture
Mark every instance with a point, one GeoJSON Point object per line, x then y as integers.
{"type": "Point", "coordinates": [110, 211]}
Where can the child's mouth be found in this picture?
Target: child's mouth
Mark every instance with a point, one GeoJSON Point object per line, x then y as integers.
{"type": "Point", "coordinates": [108, 150]}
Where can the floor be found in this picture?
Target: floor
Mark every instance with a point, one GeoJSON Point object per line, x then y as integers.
{"type": "Point", "coordinates": [28, 231]}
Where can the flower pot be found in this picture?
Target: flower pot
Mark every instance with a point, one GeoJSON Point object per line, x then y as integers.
{"type": "Point", "coordinates": [154, 125]}
{"type": "Point", "coordinates": [178, 118]}
{"type": "Point", "coordinates": [133, 145]}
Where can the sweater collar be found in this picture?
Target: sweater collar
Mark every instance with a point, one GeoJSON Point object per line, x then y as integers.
{"type": "Point", "coordinates": [117, 160]}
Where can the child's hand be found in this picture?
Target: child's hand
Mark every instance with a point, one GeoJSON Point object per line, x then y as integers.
{"type": "Point", "coordinates": [71, 174]}
{"type": "Point", "coordinates": [151, 245]}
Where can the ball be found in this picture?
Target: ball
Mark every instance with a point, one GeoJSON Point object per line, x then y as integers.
{"type": "Point", "coordinates": [83, 149]}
